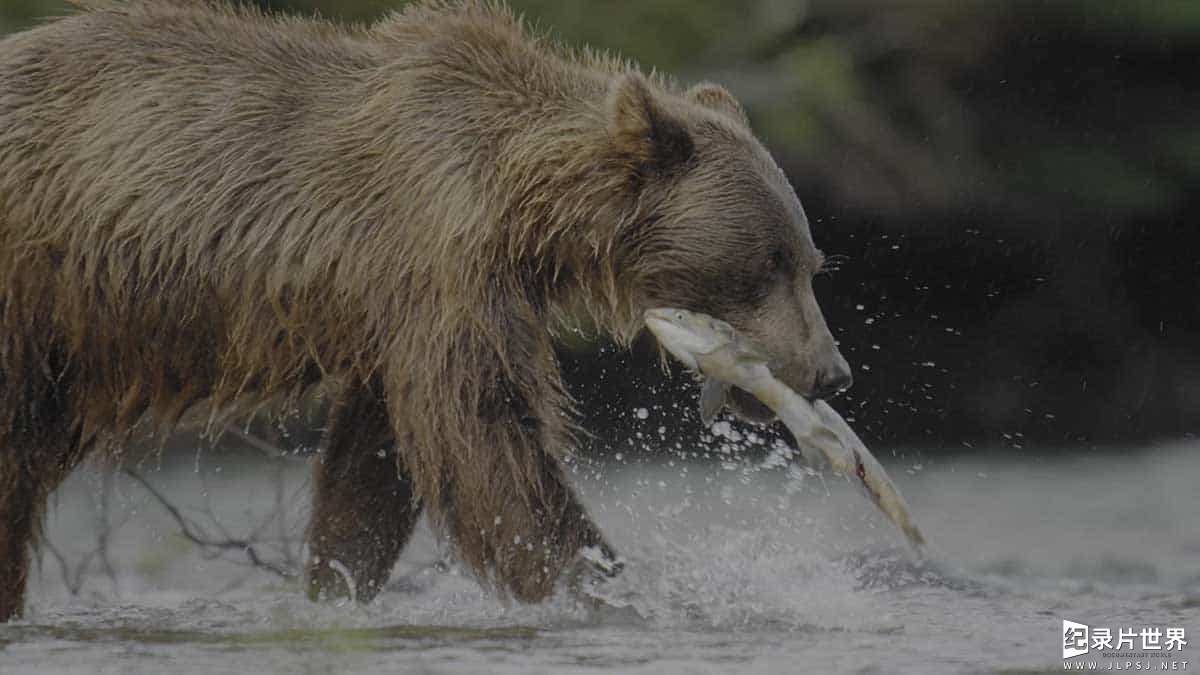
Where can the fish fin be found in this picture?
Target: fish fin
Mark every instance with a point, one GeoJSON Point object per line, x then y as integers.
{"type": "Point", "coordinates": [811, 455]}
{"type": "Point", "coordinates": [712, 399]}
{"type": "Point", "coordinates": [750, 350]}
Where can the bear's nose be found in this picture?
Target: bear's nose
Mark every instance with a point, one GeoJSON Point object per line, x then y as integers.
{"type": "Point", "coordinates": [832, 381]}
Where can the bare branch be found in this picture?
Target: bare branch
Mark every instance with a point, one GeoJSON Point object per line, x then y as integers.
{"type": "Point", "coordinates": [195, 534]}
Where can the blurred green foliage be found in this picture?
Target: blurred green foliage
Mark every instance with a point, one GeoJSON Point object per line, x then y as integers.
{"type": "Point", "coordinates": [18, 14]}
{"type": "Point", "coordinates": [908, 97]}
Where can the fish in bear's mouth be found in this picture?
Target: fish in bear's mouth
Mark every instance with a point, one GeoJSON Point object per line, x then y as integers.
{"type": "Point", "coordinates": [750, 409]}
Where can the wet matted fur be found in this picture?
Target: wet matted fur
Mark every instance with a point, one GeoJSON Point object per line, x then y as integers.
{"type": "Point", "coordinates": [201, 203]}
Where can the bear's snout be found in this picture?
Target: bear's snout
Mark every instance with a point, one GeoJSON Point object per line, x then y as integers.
{"type": "Point", "coordinates": [833, 378]}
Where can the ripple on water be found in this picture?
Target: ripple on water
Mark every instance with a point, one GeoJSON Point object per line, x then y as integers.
{"type": "Point", "coordinates": [740, 568]}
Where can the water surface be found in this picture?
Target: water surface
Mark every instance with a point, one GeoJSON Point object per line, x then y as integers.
{"type": "Point", "coordinates": [746, 564]}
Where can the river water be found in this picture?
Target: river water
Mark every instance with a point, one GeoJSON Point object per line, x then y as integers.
{"type": "Point", "coordinates": [735, 564]}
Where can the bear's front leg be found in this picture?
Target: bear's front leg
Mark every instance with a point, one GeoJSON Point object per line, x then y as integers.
{"type": "Point", "coordinates": [512, 515]}
{"type": "Point", "coordinates": [363, 507]}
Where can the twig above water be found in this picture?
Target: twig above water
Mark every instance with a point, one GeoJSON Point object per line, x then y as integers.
{"type": "Point", "coordinates": [196, 534]}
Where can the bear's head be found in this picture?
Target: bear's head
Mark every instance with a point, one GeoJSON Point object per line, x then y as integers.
{"type": "Point", "coordinates": [718, 229]}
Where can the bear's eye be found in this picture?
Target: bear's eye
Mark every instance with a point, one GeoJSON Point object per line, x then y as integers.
{"type": "Point", "coordinates": [776, 261]}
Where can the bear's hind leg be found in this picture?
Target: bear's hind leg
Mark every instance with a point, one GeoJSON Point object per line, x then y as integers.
{"type": "Point", "coordinates": [21, 502]}
{"type": "Point", "coordinates": [363, 506]}
{"type": "Point", "coordinates": [39, 447]}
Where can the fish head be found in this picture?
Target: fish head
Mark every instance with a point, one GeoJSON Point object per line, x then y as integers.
{"type": "Point", "coordinates": [688, 335]}
{"type": "Point", "coordinates": [706, 345]}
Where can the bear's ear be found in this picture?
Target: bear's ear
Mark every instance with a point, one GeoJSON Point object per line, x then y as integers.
{"type": "Point", "coordinates": [716, 97]}
{"type": "Point", "coordinates": [642, 128]}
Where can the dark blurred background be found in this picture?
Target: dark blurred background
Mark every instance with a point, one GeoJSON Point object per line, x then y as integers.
{"type": "Point", "coordinates": [1008, 186]}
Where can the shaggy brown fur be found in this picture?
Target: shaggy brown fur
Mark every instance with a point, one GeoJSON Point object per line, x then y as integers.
{"type": "Point", "coordinates": [202, 203]}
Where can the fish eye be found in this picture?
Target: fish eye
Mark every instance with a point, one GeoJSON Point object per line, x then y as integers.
{"type": "Point", "coordinates": [679, 316]}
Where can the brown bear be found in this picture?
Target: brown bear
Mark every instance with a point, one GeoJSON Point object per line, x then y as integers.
{"type": "Point", "coordinates": [207, 204]}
